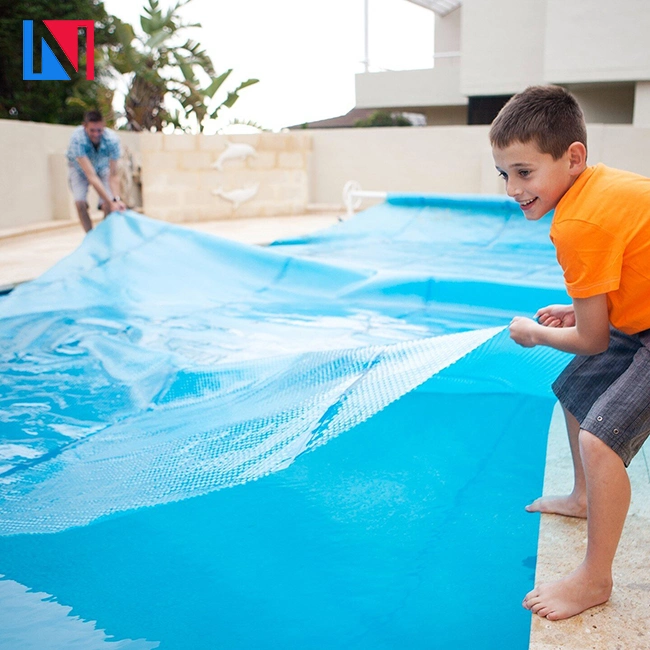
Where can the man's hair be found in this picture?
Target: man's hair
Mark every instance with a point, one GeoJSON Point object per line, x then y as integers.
{"type": "Point", "coordinates": [549, 116]}
{"type": "Point", "coordinates": [93, 116]}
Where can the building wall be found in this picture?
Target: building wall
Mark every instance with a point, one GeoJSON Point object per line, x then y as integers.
{"type": "Point", "coordinates": [507, 45]}
{"type": "Point", "coordinates": [502, 46]}
{"type": "Point", "coordinates": [439, 86]}
{"type": "Point", "coordinates": [596, 40]}
{"type": "Point", "coordinates": [447, 36]}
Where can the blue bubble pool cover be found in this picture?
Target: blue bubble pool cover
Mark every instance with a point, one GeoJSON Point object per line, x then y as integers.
{"type": "Point", "coordinates": [156, 364]}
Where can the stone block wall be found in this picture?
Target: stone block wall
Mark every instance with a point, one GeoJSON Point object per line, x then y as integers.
{"type": "Point", "coordinates": [181, 183]}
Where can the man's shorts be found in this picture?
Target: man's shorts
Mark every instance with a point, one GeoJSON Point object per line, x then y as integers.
{"type": "Point", "coordinates": [609, 393]}
{"type": "Point", "coordinates": [79, 184]}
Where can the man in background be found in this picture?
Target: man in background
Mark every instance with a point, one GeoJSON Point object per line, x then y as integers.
{"type": "Point", "coordinates": [92, 155]}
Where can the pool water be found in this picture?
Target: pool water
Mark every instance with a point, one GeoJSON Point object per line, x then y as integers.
{"type": "Point", "coordinates": [406, 532]}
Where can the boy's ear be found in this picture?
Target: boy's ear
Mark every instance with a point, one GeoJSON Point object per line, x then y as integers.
{"type": "Point", "coordinates": [577, 157]}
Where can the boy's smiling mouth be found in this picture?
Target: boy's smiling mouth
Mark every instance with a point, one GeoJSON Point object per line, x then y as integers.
{"type": "Point", "coordinates": [525, 204]}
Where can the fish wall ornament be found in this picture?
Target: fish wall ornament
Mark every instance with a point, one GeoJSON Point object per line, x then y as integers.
{"type": "Point", "coordinates": [234, 151]}
{"type": "Point", "coordinates": [237, 196]}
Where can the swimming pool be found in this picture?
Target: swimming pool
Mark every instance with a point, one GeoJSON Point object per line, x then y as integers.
{"type": "Point", "coordinates": [385, 537]}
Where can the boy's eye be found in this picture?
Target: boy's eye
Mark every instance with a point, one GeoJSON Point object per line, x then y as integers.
{"type": "Point", "coordinates": [503, 175]}
{"type": "Point", "coordinates": [524, 173]}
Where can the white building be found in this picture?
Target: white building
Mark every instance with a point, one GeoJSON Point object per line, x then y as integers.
{"type": "Point", "coordinates": [488, 50]}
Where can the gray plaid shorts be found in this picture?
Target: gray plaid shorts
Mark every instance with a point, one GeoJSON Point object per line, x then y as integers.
{"type": "Point", "coordinates": [79, 184]}
{"type": "Point", "coordinates": [609, 393]}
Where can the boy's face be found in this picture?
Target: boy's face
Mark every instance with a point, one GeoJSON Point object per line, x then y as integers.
{"type": "Point", "coordinates": [534, 179]}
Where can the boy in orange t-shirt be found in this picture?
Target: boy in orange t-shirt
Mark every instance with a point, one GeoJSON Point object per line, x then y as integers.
{"type": "Point", "coordinates": [601, 231]}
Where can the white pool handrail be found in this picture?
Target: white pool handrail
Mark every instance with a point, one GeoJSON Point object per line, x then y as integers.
{"type": "Point", "coordinates": [353, 196]}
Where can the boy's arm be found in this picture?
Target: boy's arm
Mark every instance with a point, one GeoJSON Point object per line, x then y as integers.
{"type": "Point", "coordinates": [590, 334]}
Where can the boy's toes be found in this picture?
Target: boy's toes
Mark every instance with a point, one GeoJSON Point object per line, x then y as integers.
{"type": "Point", "coordinates": [537, 608]}
{"type": "Point", "coordinates": [533, 507]}
{"type": "Point", "coordinates": [531, 599]}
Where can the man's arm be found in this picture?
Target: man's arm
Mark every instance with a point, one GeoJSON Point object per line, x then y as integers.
{"type": "Point", "coordinates": [95, 181]}
{"type": "Point", "coordinates": [589, 335]}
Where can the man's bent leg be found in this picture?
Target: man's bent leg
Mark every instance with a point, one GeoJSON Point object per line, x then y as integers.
{"type": "Point", "coordinates": [82, 211]}
{"type": "Point", "coordinates": [608, 498]}
{"type": "Point", "coordinates": [574, 504]}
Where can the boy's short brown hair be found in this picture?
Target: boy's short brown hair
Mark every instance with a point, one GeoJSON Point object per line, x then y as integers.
{"type": "Point", "coordinates": [549, 116]}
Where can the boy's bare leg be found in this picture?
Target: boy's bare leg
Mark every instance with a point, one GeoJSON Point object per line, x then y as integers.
{"type": "Point", "coordinates": [574, 504]}
{"type": "Point", "coordinates": [608, 497]}
{"type": "Point", "coordinates": [82, 211]}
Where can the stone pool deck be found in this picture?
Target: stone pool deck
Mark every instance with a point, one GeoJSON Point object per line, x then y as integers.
{"type": "Point", "coordinates": [621, 624]}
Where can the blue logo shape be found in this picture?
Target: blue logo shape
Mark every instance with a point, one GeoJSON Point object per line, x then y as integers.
{"type": "Point", "coordinates": [51, 68]}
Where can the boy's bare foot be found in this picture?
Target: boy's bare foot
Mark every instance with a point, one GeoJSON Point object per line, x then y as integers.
{"type": "Point", "coordinates": [570, 506]}
{"type": "Point", "coordinates": [569, 596]}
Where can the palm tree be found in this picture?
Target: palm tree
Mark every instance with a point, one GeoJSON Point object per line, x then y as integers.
{"type": "Point", "coordinates": [165, 67]}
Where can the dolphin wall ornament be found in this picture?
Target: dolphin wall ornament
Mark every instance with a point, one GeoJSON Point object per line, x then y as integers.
{"type": "Point", "coordinates": [233, 152]}
{"type": "Point", "coordinates": [238, 196]}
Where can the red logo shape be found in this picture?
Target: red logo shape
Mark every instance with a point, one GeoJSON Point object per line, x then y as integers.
{"type": "Point", "coordinates": [66, 34]}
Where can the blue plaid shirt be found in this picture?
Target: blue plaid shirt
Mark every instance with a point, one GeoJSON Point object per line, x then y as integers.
{"type": "Point", "coordinates": [80, 145]}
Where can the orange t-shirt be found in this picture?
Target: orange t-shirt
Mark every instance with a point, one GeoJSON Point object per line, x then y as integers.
{"type": "Point", "coordinates": [601, 232]}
